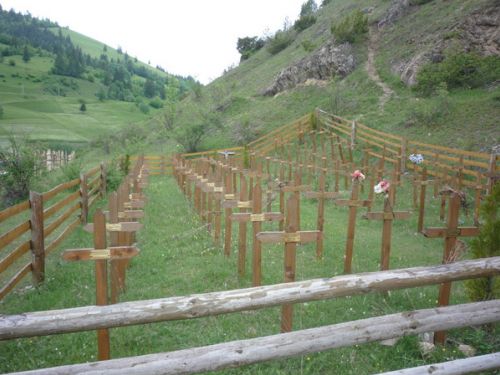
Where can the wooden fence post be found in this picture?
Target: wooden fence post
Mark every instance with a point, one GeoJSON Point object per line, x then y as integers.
{"type": "Point", "coordinates": [103, 186]}
{"type": "Point", "coordinates": [404, 151]}
{"type": "Point", "coordinates": [84, 198]}
{"type": "Point", "coordinates": [37, 238]}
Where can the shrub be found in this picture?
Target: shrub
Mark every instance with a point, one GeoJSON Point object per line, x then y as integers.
{"type": "Point", "coordinates": [144, 108]}
{"type": "Point", "coordinates": [279, 41]}
{"type": "Point", "coordinates": [19, 164]}
{"type": "Point", "coordinates": [458, 70]}
{"type": "Point", "coordinates": [486, 245]}
{"type": "Point", "coordinates": [308, 46]}
{"type": "Point", "coordinates": [114, 177]}
{"type": "Point", "coordinates": [247, 46]}
{"type": "Point", "coordinates": [12, 62]}
{"type": "Point", "coordinates": [351, 28]}
{"type": "Point", "coordinates": [304, 22]}
{"type": "Point", "coordinates": [1, 111]}
{"type": "Point", "coordinates": [244, 132]}
{"type": "Point", "coordinates": [156, 103]}
{"type": "Point", "coordinates": [325, 2]}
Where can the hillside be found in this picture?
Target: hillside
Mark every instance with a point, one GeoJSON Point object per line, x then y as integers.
{"type": "Point", "coordinates": [48, 72]}
{"type": "Point", "coordinates": [404, 36]}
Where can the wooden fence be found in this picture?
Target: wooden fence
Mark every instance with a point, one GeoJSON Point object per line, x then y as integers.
{"type": "Point", "coordinates": [442, 162]}
{"type": "Point", "coordinates": [244, 352]}
{"type": "Point", "coordinates": [43, 222]}
{"type": "Point", "coordinates": [156, 164]}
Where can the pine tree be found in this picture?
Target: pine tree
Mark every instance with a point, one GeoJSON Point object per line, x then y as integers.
{"type": "Point", "coordinates": [26, 54]}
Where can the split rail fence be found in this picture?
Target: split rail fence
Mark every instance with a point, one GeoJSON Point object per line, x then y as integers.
{"type": "Point", "coordinates": [40, 224]}
{"type": "Point", "coordinates": [284, 345]}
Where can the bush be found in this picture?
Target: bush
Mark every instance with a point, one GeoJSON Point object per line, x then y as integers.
{"type": "Point", "coordinates": [244, 132]}
{"type": "Point", "coordinates": [12, 62]}
{"type": "Point", "coordinates": [248, 46]}
{"type": "Point", "coordinates": [459, 70]}
{"type": "Point", "coordinates": [19, 164]}
{"type": "Point", "coordinates": [114, 177]}
{"type": "Point", "coordinates": [156, 103]}
{"type": "Point", "coordinates": [308, 46]}
{"type": "Point", "coordinates": [1, 111]}
{"type": "Point", "coordinates": [144, 108]}
{"type": "Point", "coordinates": [304, 22]}
{"type": "Point", "coordinates": [279, 41]}
{"type": "Point", "coordinates": [351, 28]}
{"type": "Point", "coordinates": [486, 245]}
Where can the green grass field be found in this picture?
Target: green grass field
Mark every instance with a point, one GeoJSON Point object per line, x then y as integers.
{"type": "Point", "coordinates": [178, 258]}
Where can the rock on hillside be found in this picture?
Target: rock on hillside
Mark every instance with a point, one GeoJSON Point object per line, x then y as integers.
{"type": "Point", "coordinates": [479, 32]}
{"type": "Point", "coordinates": [329, 61]}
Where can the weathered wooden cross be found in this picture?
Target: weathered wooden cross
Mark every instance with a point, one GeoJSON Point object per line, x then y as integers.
{"type": "Point", "coordinates": [290, 237]}
{"type": "Point", "coordinates": [353, 204]}
{"type": "Point", "coordinates": [101, 254]}
{"type": "Point", "coordinates": [321, 196]}
{"type": "Point", "coordinates": [387, 216]}
{"type": "Point", "coordinates": [256, 217]}
{"type": "Point", "coordinates": [450, 233]}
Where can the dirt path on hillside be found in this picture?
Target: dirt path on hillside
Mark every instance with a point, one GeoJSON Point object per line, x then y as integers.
{"type": "Point", "coordinates": [372, 70]}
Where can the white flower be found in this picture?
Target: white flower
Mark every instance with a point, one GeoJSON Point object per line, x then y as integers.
{"type": "Point", "coordinates": [416, 158]}
{"type": "Point", "coordinates": [382, 187]}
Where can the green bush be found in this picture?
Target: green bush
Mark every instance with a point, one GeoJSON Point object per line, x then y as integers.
{"type": "Point", "coordinates": [458, 70]}
{"type": "Point", "coordinates": [351, 28]}
{"type": "Point", "coordinates": [486, 245]}
{"type": "Point", "coordinates": [304, 22]}
{"type": "Point", "coordinates": [144, 108]}
{"type": "Point", "coordinates": [308, 46]}
{"type": "Point", "coordinates": [12, 62]}
{"type": "Point", "coordinates": [156, 103]}
{"type": "Point", "coordinates": [114, 177]}
{"type": "Point", "coordinates": [280, 41]}
{"type": "Point", "coordinates": [19, 164]}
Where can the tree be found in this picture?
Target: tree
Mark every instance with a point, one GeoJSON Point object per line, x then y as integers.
{"type": "Point", "coordinates": [26, 54]}
{"type": "Point", "coordinates": [19, 162]}
{"type": "Point", "coordinates": [307, 17]}
{"type": "Point", "coordinates": [308, 8]}
{"type": "Point", "coordinates": [149, 88]}
{"type": "Point", "coordinates": [247, 46]}
{"type": "Point", "coordinates": [83, 107]}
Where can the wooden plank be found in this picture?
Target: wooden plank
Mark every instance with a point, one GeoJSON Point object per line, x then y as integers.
{"type": "Point", "coordinates": [88, 318]}
{"type": "Point", "coordinates": [115, 252]}
{"type": "Point", "coordinates": [61, 219]}
{"type": "Point", "coordinates": [487, 362]}
{"type": "Point", "coordinates": [244, 352]}
{"type": "Point", "coordinates": [14, 255]}
{"type": "Point", "coordinates": [101, 277]}
{"type": "Point", "coordinates": [443, 232]}
{"type": "Point", "coordinates": [15, 280]}
{"type": "Point", "coordinates": [131, 214]}
{"type": "Point", "coordinates": [59, 188]}
{"type": "Point", "coordinates": [57, 241]}
{"type": "Point", "coordinates": [14, 233]}
{"type": "Point", "coordinates": [48, 212]}
{"type": "Point", "coordinates": [14, 210]}
{"type": "Point", "coordinates": [282, 237]}
{"type": "Point", "coordinates": [131, 226]}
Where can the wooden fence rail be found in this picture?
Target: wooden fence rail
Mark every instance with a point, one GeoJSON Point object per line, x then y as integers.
{"type": "Point", "coordinates": [285, 345]}
{"type": "Point", "coordinates": [210, 304]}
{"type": "Point", "coordinates": [49, 223]}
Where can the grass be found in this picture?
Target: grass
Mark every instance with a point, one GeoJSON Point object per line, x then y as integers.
{"type": "Point", "coordinates": [178, 257]}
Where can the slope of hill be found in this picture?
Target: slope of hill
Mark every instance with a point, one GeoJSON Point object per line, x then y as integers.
{"type": "Point", "coordinates": [404, 37]}
{"type": "Point", "coordinates": [65, 89]}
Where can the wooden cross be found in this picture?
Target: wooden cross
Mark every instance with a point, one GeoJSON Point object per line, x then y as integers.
{"type": "Point", "coordinates": [321, 196]}
{"type": "Point", "coordinates": [450, 234]}
{"type": "Point", "coordinates": [243, 204]}
{"type": "Point", "coordinates": [256, 217]}
{"type": "Point", "coordinates": [101, 254]}
{"type": "Point", "coordinates": [353, 204]}
{"type": "Point", "coordinates": [387, 216]}
{"type": "Point", "coordinates": [290, 237]}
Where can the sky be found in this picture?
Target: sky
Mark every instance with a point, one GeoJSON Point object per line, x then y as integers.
{"type": "Point", "coordinates": [185, 37]}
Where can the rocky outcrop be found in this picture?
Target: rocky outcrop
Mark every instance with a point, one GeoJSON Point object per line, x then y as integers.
{"type": "Point", "coordinates": [329, 61]}
{"type": "Point", "coordinates": [479, 33]}
{"type": "Point", "coordinates": [397, 10]}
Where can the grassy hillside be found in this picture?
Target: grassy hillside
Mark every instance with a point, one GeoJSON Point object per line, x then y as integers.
{"type": "Point", "coordinates": [461, 117]}
{"type": "Point", "coordinates": [30, 109]}
{"type": "Point", "coordinates": [42, 100]}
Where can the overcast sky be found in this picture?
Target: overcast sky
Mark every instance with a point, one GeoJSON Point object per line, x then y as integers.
{"type": "Point", "coordinates": [185, 37]}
